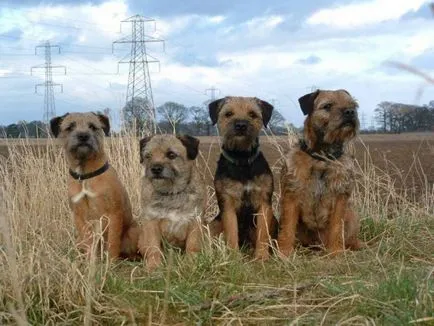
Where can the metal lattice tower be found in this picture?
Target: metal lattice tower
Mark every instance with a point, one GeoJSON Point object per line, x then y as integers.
{"type": "Point", "coordinates": [213, 92]}
{"type": "Point", "coordinates": [139, 80]}
{"type": "Point", "coordinates": [49, 103]}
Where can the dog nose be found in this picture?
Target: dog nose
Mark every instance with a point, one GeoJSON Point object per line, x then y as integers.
{"type": "Point", "coordinates": [349, 113]}
{"type": "Point", "coordinates": [157, 169]}
{"type": "Point", "coordinates": [241, 125]}
{"type": "Point", "coordinates": [83, 136]}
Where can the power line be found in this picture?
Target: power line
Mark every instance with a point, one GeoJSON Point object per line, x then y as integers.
{"type": "Point", "coordinates": [49, 103]}
{"type": "Point", "coordinates": [139, 80]}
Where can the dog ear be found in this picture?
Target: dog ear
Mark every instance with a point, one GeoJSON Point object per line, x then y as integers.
{"type": "Point", "coordinates": [191, 144]}
{"type": "Point", "coordinates": [143, 143]}
{"type": "Point", "coordinates": [307, 101]}
{"type": "Point", "coordinates": [344, 90]}
{"type": "Point", "coordinates": [105, 123]}
{"type": "Point", "coordinates": [214, 109]}
{"type": "Point", "coordinates": [55, 124]}
{"type": "Point", "coordinates": [267, 110]}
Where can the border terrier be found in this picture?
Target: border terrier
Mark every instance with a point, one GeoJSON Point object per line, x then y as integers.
{"type": "Point", "coordinates": [243, 180]}
{"type": "Point", "coordinates": [173, 195]}
{"type": "Point", "coordinates": [94, 189]}
{"type": "Point", "coordinates": [318, 177]}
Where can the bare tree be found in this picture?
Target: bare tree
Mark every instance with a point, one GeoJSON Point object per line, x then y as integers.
{"type": "Point", "coordinates": [399, 117]}
{"type": "Point", "coordinates": [277, 122]}
{"type": "Point", "coordinates": [381, 115]}
{"type": "Point", "coordinates": [135, 116]}
{"type": "Point", "coordinates": [173, 113]}
{"type": "Point", "coordinates": [200, 121]}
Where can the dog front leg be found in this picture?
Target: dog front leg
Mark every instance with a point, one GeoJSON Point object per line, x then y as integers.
{"type": "Point", "coordinates": [194, 238]}
{"type": "Point", "coordinates": [335, 230]}
{"type": "Point", "coordinates": [264, 223]}
{"type": "Point", "coordinates": [150, 244]}
{"type": "Point", "coordinates": [289, 215]}
{"type": "Point", "coordinates": [84, 229]}
{"type": "Point", "coordinates": [114, 235]}
{"type": "Point", "coordinates": [352, 228]}
{"type": "Point", "coordinates": [230, 223]}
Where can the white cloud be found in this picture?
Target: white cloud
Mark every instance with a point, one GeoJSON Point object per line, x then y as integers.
{"type": "Point", "coordinates": [179, 24]}
{"type": "Point", "coordinates": [265, 23]}
{"type": "Point", "coordinates": [60, 22]}
{"type": "Point", "coordinates": [419, 43]}
{"type": "Point", "coordinates": [364, 13]}
{"type": "Point", "coordinates": [217, 19]}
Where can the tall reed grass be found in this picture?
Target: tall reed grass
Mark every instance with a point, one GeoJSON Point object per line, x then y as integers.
{"type": "Point", "coordinates": [44, 280]}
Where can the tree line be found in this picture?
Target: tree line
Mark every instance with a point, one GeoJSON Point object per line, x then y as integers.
{"type": "Point", "coordinates": [171, 117]}
{"type": "Point", "coordinates": [175, 117]}
{"type": "Point", "coordinates": [397, 117]}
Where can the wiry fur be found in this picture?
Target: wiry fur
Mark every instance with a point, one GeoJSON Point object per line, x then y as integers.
{"type": "Point", "coordinates": [102, 198]}
{"type": "Point", "coordinates": [249, 109]}
{"type": "Point", "coordinates": [243, 190]}
{"type": "Point", "coordinates": [173, 200]}
{"type": "Point", "coordinates": [315, 193]}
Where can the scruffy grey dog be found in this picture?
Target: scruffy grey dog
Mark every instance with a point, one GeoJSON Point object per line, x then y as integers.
{"type": "Point", "coordinates": [173, 196]}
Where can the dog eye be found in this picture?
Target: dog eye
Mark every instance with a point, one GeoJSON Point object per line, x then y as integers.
{"type": "Point", "coordinates": [148, 156]}
{"type": "Point", "coordinates": [92, 127]}
{"type": "Point", "coordinates": [70, 127]}
{"type": "Point", "coordinates": [171, 155]}
{"type": "Point", "coordinates": [252, 115]}
{"type": "Point", "coordinates": [229, 114]}
{"type": "Point", "coordinates": [327, 107]}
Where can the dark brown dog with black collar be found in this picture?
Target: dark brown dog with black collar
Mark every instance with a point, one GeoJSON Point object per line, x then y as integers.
{"type": "Point", "coordinates": [97, 198]}
{"type": "Point", "coordinates": [317, 178]}
{"type": "Point", "coordinates": [243, 180]}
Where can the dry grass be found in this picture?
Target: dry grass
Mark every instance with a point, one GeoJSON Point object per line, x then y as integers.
{"type": "Point", "coordinates": [44, 280]}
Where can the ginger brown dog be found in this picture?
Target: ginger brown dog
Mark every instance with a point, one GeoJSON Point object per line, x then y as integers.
{"type": "Point", "coordinates": [317, 178]}
{"type": "Point", "coordinates": [243, 180]}
{"type": "Point", "coordinates": [94, 189]}
{"type": "Point", "coordinates": [173, 196]}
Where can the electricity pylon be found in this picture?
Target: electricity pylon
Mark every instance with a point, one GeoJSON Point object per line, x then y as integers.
{"type": "Point", "coordinates": [49, 103]}
{"type": "Point", "coordinates": [139, 80]}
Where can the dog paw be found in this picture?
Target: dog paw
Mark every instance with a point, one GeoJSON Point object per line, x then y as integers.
{"type": "Point", "coordinates": [335, 251]}
{"type": "Point", "coordinates": [262, 255]}
{"type": "Point", "coordinates": [153, 263]}
{"type": "Point", "coordinates": [357, 245]}
{"type": "Point", "coordinates": [285, 253]}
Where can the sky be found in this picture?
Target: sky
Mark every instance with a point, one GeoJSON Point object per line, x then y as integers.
{"type": "Point", "coordinates": [276, 50]}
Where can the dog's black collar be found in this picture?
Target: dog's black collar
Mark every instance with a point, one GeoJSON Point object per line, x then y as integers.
{"type": "Point", "coordinates": [238, 161]}
{"type": "Point", "coordinates": [323, 156]}
{"type": "Point", "coordinates": [85, 176]}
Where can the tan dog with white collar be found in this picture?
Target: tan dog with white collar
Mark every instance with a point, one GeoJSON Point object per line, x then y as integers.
{"type": "Point", "coordinates": [94, 189]}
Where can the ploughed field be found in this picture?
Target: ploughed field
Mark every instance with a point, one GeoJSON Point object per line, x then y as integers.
{"type": "Point", "coordinates": [407, 158]}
